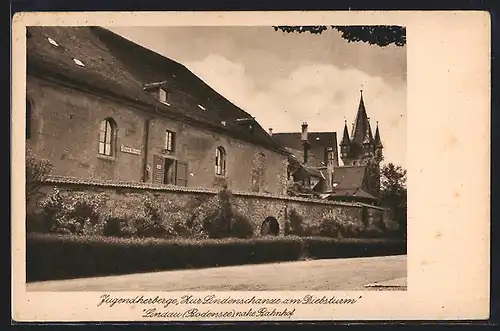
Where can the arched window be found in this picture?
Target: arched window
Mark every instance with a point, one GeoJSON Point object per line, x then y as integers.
{"type": "Point", "coordinates": [106, 137]}
{"type": "Point", "coordinates": [220, 161]}
{"type": "Point", "coordinates": [28, 119]}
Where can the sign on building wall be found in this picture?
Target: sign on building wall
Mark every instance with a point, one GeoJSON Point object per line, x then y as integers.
{"type": "Point", "coordinates": [130, 150]}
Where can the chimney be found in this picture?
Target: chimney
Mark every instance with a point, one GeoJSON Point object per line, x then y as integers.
{"type": "Point", "coordinates": [304, 132]}
{"type": "Point", "coordinates": [270, 131]}
{"type": "Point", "coordinates": [305, 142]}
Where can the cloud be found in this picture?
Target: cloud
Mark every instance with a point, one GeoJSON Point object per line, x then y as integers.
{"type": "Point", "coordinates": [321, 94]}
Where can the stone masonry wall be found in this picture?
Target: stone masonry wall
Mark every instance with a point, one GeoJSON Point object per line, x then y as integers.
{"type": "Point", "coordinates": [65, 130]}
{"type": "Point", "coordinates": [257, 207]}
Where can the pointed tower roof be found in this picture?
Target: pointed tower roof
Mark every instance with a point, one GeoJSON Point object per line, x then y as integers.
{"type": "Point", "coordinates": [345, 136]}
{"type": "Point", "coordinates": [368, 139]}
{"type": "Point", "coordinates": [378, 141]}
{"type": "Point", "coordinates": [361, 125]}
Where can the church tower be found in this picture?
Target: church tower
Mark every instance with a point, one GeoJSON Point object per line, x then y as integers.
{"type": "Point", "coordinates": [361, 146]}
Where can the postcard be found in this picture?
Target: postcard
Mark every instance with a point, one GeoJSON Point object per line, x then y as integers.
{"type": "Point", "coordinates": [250, 166]}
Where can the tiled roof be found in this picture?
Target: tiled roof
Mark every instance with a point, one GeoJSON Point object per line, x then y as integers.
{"type": "Point", "coordinates": [115, 66]}
{"type": "Point", "coordinates": [297, 156]}
{"type": "Point", "coordinates": [314, 172]}
{"type": "Point", "coordinates": [318, 141]}
{"type": "Point", "coordinates": [350, 182]}
{"type": "Point", "coordinates": [349, 177]}
{"type": "Point", "coordinates": [69, 181]}
{"type": "Point", "coordinates": [358, 193]}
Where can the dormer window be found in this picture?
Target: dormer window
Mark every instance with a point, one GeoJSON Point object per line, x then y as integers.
{"type": "Point", "coordinates": [53, 42]}
{"type": "Point", "coordinates": [162, 95]}
{"type": "Point", "coordinates": [159, 90]}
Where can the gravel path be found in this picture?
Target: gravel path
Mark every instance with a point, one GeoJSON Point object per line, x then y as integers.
{"type": "Point", "coordinates": [315, 275]}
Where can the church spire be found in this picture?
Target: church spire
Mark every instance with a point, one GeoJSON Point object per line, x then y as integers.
{"type": "Point", "coordinates": [378, 141]}
{"type": "Point", "coordinates": [345, 137]}
{"type": "Point", "coordinates": [361, 124]}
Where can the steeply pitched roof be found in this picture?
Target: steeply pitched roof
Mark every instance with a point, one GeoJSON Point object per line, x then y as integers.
{"type": "Point", "coordinates": [345, 136]}
{"type": "Point", "coordinates": [361, 131]}
{"type": "Point", "coordinates": [349, 181]}
{"type": "Point", "coordinates": [121, 68]}
{"type": "Point", "coordinates": [378, 141]}
{"type": "Point", "coordinates": [318, 142]}
{"type": "Point", "coordinates": [312, 171]}
{"type": "Point", "coordinates": [349, 177]}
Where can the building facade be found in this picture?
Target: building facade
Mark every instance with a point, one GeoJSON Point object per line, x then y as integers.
{"type": "Point", "coordinates": [314, 160]}
{"type": "Point", "coordinates": [101, 107]}
{"type": "Point", "coordinates": [313, 156]}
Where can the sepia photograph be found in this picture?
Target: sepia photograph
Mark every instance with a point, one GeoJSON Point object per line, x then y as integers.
{"type": "Point", "coordinates": [249, 166]}
{"type": "Point", "coordinates": [257, 158]}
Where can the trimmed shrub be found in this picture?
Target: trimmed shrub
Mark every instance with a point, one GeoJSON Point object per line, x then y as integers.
{"type": "Point", "coordinates": [295, 223]}
{"type": "Point", "coordinates": [241, 227]}
{"type": "Point", "coordinates": [61, 257]}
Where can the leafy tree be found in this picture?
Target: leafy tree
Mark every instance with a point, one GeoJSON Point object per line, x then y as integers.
{"type": "Point", "coordinates": [381, 35]}
{"type": "Point", "coordinates": [373, 173]}
{"type": "Point", "coordinates": [393, 193]}
{"type": "Point", "coordinates": [37, 170]}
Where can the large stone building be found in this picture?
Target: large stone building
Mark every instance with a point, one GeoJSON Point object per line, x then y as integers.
{"type": "Point", "coordinates": [102, 107]}
{"type": "Point", "coordinates": [314, 160]}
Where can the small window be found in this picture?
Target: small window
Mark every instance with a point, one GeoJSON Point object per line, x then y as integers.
{"type": "Point", "coordinates": [163, 95]}
{"type": "Point", "coordinates": [78, 62]}
{"type": "Point", "coordinates": [53, 42]}
{"type": "Point", "coordinates": [170, 141]}
{"type": "Point", "coordinates": [220, 161]}
{"type": "Point", "coordinates": [106, 137]}
{"type": "Point", "coordinates": [28, 119]}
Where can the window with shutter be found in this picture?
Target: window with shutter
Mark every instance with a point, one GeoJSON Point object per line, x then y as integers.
{"type": "Point", "coordinates": [181, 173]}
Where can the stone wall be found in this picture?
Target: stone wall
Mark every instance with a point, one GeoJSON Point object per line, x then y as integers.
{"type": "Point", "coordinates": [121, 196]}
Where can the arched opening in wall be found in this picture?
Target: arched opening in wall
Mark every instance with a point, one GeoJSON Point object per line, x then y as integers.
{"type": "Point", "coordinates": [220, 161]}
{"type": "Point", "coordinates": [270, 226]}
{"type": "Point", "coordinates": [107, 137]}
{"type": "Point", "coordinates": [28, 118]}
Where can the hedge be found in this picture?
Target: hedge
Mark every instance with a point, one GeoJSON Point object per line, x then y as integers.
{"type": "Point", "coordinates": [325, 248]}
{"type": "Point", "coordinates": [63, 256]}
{"type": "Point", "coordinates": [51, 257]}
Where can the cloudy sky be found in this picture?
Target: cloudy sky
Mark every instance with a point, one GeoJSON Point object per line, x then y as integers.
{"type": "Point", "coordinates": [285, 79]}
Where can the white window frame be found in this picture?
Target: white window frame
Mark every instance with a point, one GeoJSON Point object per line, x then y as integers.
{"type": "Point", "coordinates": [106, 137]}
{"type": "Point", "coordinates": [162, 95]}
{"type": "Point", "coordinates": [169, 140]}
{"type": "Point", "coordinates": [220, 161]}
